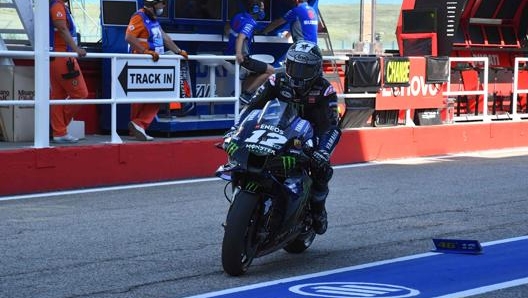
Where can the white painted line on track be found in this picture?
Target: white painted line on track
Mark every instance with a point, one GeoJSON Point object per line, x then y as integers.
{"type": "Point", "coordinates": [475, 291]}
{"type": "Point", "coordinates": [318, 274]}
{"type": "Point", "coordinates": [495, 153]}
{"type": "Point", "coordinates": [103, 189]}
{"type": "Point", "coordinates": [490, 288]}
{"type": "Point", "coordinates": [509, 152]}
{"type": "Point", "coordinates": [134, 186]}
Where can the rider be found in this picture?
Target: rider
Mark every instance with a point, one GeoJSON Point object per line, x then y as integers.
{"type": "Point", "coordinates": [316, 101]}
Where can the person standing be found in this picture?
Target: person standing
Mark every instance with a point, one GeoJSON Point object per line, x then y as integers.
{"type": "Point", "coordinates": [145, 36]}
{"type": "Point", "coordinates": [240, 30]}
{"type": "Point", "coordinates": [66, 78]}
{"type": "Point", "coordinates": [303, 20]}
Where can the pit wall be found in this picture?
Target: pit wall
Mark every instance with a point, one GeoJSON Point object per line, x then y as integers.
{"type": "Point", "coordinates": [73, 167]}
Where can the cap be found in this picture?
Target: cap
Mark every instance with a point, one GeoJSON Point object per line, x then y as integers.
{"type": "Point", "coordinates": [152, 2]}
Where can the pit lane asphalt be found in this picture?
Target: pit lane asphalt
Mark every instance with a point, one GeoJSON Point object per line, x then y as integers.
{"type": "Point", "coordinates": [165, 240]}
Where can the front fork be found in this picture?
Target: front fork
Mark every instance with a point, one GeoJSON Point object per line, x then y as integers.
{"type": "Point", "coordinates": [270, 216]}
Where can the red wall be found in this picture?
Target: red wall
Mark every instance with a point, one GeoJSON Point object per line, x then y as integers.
{"type": "Point", "coordinates": [89, 113]}
{"type": "Point", "coordinates": [69, 167]}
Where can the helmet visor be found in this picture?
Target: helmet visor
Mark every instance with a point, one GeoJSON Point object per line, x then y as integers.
{"type": "Point", "coordinates": [300, 71]}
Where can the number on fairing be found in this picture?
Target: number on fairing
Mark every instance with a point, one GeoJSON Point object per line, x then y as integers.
{"type": "Point", "coordinates": [271, 139]}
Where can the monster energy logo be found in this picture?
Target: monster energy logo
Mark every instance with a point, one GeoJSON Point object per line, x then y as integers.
{"type": "Point", "coordinates": [288, 162]}
{"type": "Point", "coordinates": [252, 186]}
{"type": "Point", "coordinates": [231, 148]}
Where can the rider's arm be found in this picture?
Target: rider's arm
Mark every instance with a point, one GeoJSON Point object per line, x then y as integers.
{"type": "Point", "coordinates": [330, 131]}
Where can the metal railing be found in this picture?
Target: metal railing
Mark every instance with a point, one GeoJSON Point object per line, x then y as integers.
{"type": "Point", "coordinates": [42, 101]}
{"type": "Point", "coordinates": [478, 92]}
{"type": "Point", "coordinates": [516, 91]}
{"type": "Point", "coordinates": [210, 60]}
{"type": "Point", "coordinates": [484, 91]}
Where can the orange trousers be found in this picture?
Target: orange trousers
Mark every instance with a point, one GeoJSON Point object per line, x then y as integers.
{"type": "Point", "coordinates": [61, 88]}
{"type": "Point", "coordinates": [143, 113]}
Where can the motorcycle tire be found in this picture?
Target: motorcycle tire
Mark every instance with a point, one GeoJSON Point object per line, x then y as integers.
{"type": "Point", "coordinates": [301, 243]}
{"type": "Point", "coordinates": [239, 244]}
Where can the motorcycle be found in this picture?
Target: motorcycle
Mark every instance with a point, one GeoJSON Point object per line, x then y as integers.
{"type": "Point", "coordinates": [269, 172]}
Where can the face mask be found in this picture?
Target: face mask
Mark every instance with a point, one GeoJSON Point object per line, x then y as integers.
{"type": "Point", "coordinates": [261, 15]}
{"type": "Point", "coordinates": [159, 11]}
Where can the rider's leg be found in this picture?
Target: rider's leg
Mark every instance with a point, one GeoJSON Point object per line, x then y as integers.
{"type": "Point", "coordinates": [319, 191]}
{"type": "Point", "coordinates": [318, 194]}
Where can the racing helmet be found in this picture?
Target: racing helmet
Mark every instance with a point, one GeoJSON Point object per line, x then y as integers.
{"type": "Point", "coordinates": [303, 65]}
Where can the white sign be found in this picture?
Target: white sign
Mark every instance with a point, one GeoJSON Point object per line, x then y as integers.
{"type": "Point", "coordinates": [146, 79]}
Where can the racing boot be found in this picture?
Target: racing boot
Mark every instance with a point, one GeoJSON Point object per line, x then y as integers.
{"type": "Point", "coordinates": [317, 204]}
{"type": "Point", "coordinates": [320, 220]}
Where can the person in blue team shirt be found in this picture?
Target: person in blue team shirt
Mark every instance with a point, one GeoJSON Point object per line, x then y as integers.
{"type": "Point", "coordinates": [240, 30]}
{"type": "Point", "coordinates": [303, 20]}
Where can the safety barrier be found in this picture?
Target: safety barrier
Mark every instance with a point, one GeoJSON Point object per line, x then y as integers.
{"type": "Point", "coordinates": [42, 101]}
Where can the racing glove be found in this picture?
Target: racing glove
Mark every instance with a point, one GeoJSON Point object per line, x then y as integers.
{"type": "Point", "coordinates": [231, 132]}
{"type": "Point", "coordinates": [155, 56]}
{"type": "Point", "coordinates": [321, 158]}
{"type": "Point", "coordinates": [323, 172]}
{"type": "Point", "coordinates": [184, 54]}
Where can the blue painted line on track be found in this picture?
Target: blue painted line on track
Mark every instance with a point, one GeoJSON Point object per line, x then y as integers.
{"type": "Point", "coordinates": [502, 264]}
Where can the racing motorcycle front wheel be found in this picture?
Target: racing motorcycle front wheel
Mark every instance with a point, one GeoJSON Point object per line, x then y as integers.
{"type": "Point", "coordinates": [239, 245]}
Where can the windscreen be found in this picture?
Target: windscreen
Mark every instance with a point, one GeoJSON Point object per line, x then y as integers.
{"type": "Point", "coordinates": [277, 113]}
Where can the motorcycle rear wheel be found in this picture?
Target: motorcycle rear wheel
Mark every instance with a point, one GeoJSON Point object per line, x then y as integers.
{"type": "Point", "coordinates": [301, 243]}
{"type": "Point", "coordinates": [239, 244]}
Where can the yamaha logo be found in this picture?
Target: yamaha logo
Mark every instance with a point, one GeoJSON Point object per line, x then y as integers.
{"type": "Point", "coordinates": [353, 290]}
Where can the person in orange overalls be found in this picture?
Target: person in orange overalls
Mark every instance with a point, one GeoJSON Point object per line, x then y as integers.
{"type": "Point", "coordinates": [66, 78]}
{"type": "Point", "coordinates": [145, 36]}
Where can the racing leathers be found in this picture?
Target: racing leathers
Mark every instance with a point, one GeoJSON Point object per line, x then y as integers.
{"type": "Point", "coordinates": [318, 105]}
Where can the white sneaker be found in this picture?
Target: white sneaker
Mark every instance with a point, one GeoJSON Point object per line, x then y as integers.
{"type": "Point", "coordinates": [65, 139]}
{"type": "Point", "coordinates": [139, 132]}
